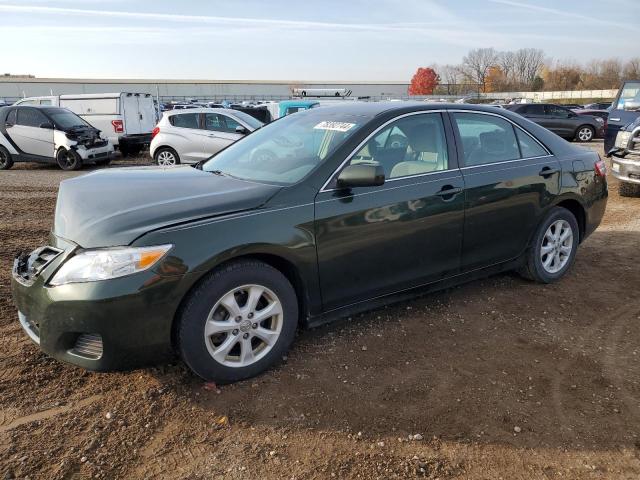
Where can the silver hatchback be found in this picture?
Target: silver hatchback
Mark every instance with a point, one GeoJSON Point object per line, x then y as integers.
{"type": "Point", "coordinates": [191, 135]}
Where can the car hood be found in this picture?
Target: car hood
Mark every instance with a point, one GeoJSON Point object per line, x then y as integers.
{"type": "Point", "coordinates": [114, 207]}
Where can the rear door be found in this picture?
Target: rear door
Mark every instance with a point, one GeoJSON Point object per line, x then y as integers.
{"type": "Point", "coordinates": [373, 241]}
{"type": "Point", "coordinates": [132, 116]}
{"type": "Point", "coordinates": [28, 134]}
{"type": "Point", "coordinates": [510, 179]}
{"type": "Point", "coordinates": [625, 109]}
{"type": "Point", "coordinates": [186, 136]}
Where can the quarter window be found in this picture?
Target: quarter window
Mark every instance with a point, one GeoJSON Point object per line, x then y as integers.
{"type": "Point", "coordinates": [486, 139]}
{"type": "Point", "coordinates": [528, 146]}
{"type": "Point", "coordinates": [412, 145]}
{"type": "Point", "coordinates": [30, 117]}
{"type": "Point", "coordinates": [184, 120]}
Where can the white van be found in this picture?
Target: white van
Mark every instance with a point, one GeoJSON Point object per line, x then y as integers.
{"type": "Point", "coordinates": [126, 119]}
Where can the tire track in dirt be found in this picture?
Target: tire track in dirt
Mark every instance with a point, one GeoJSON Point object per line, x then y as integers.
{"type": "Point", "coordinates": [46, 414]}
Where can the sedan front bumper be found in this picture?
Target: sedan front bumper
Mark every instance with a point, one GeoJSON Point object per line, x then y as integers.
{"type": "Point", "coordinates": [105, 325]}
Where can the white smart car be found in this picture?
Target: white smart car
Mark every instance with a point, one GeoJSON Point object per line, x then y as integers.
{"type": "Point", "coordinates": [30, 133]}
{"type": "Point", "coordinates": [188, 136]}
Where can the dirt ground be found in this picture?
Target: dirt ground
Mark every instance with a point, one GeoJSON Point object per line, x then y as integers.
{"type": "Point", "coordinates": [496, 379]}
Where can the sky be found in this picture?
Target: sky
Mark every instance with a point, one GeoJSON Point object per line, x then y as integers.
{"type": "Point", "coordinates": [298, 40]}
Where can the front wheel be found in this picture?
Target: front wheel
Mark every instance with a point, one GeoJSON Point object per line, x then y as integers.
{"type": "Point", "coordinates": [68, 159]}
{"type": "Point", "coordinates": [553, 248]}
{"type": "Point", "coordinates": [238, 322]}
{"type": "Point", "coordinates": [6, 162]}
{"type": "Point", "coordinates": [585, 133]}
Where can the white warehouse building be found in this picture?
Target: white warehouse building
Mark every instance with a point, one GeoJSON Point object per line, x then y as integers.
{"type": "Point", "coordinates": [13, 88]}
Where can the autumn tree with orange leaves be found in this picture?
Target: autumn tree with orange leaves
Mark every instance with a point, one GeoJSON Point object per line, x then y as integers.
{"type": "Point", "coordinates": [424, 82]}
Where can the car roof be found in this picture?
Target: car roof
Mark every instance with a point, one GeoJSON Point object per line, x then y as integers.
{"type": "Point", "coordinates": [373, 109]}
{"type": "Point", "coordinates": [181, 111]}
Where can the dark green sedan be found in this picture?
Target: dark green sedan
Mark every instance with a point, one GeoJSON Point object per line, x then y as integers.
{"type": "Point", "coordinates": [316, 216]}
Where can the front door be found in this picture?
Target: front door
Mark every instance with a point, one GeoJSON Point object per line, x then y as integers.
{"type": "Point", "coordinates": [28, 134]}
{"type": "Point", "coordinates": [559, 120]}
{"type": "Point", "coordinates": [373, 241]}
{"type": "Point", "coordinates": [218, 133]}
{"type": "Point", "coordinates": [510, 180]}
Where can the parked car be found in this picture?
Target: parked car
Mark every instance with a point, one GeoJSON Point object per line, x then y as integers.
{"type": "Point", "coordinates": [223, 262]}
{"type": "Point", "coordinates": [50, 135]}
{"type": "Point", "coordinates": [189, 136]}
{"type": "Point", "coordinates": [625, 161]}
{"type": "Point", "coordinates": [624, 110]}
{"type": "Point", "coordinates": [603, 114]}
{"type": "Point", "coordinates": [598, 106]}
{"type": "Point", "coordinates": [125, 118]}
{"type": "Point", "coordinates": [562, 121]}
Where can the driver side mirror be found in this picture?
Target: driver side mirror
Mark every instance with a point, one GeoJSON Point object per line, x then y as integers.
{"type": "Point", "coordinates": [361, 175]}
{"type": "Point", "coordinates": [241, 130]}
{"type": "Point", "coordinates": [47, 125]}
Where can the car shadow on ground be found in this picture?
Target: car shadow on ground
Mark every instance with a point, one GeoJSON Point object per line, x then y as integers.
{"type": "Point", "coordinates": [497, 360]}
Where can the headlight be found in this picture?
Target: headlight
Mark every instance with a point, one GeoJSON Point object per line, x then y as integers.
{"type": "Point", "coordinates": [103, 264]}
{"type": "Point", "coordinates": [599, 120]}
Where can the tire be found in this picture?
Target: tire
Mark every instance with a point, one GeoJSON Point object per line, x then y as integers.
{"type": "Point", "coordinates": [68, 159]}
{"type": "Point", "coordinates": [233, 335]}
{"type": "Point", "coordinates": [535, 267]}
{"type": "Point", "coordinates": [103, 163]}
{"type": "Point", "coordinates": [585, 133]}
{"type": "Point", "coordinates": [164, 155]}
{"type": "Point", "coordinates": [629, 189]}
{"type": "Point", "coordinates": [6, 162]}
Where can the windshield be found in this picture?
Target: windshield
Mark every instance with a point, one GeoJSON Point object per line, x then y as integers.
{"type": "Point", "coordinates": [66, 119]}
{"type": "Point", "coordinates": [285, 151]}
{"type": "Point", "coordinates": [248, 119]}
{"type": "Point", "coordinates": [629, 97]}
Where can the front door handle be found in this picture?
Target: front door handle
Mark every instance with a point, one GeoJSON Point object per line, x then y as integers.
{"type": "Point", "coordinates": [548, 171]}
{"type": "Point", "coordinates": [448, 191]}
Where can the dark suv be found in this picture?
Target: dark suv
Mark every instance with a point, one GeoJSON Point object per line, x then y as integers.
{"type": "Point", "coordinates": [562, 121]}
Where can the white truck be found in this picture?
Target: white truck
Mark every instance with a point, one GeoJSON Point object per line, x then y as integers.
{"type": "Point", "coordinates": [126, 119]}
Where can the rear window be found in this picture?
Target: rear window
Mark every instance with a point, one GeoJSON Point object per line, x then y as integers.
{"type": "Point", "coordinates": [184, 120]}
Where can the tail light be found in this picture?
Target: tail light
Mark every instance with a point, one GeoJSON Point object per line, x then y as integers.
{"type": "Point", "coordinates": [600, 167]}
{"type": "Point", "coordinates": [118, 126]}
{"type": "Point", "coordinates": [155, 131]}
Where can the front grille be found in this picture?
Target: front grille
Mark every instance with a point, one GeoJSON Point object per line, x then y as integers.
{"type": "Point", "coordinates": [29, 266]}
{"type": "Point", "coordinates": [88, 345]}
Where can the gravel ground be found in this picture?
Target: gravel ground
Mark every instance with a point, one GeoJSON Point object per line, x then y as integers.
{"type": "Point", "coordinates": [499, 378]}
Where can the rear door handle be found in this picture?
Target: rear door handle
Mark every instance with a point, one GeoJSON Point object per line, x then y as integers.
{"type": "Point", "coordinates": [448, 190]}
{"type": "Point", "coordinates": [548, 171]}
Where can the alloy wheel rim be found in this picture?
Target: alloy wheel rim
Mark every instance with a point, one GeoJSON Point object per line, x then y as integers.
{"type": "Point", "coordinates": [585, 134]}
{"type": "Point", "coordinates": [557, 245]}
{"type": "Point", "coordinates": [243, 326]}
{"type": "Point", "coordinates": [3, 159]}
{"type": "Point", "coordinates": [67, 160]}
{"type": "Point", "coordinates": [166, 158]}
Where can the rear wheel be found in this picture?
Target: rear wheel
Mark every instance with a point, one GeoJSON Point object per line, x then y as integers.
{"type": "Point", "coordinates": [6, 162]}
{"type": "Point", "coordinates": [585, 133]}
{"type": "Point", "coordinates": [166, 157]}
{"type": "Point", "coordinates": [553, 248]}
{"type": "Point", "coordinates": [238, 322]}
{"type": "Point", "coordinates": [629, 189]}
{"type": "Point", "coordinates": [68, 159]}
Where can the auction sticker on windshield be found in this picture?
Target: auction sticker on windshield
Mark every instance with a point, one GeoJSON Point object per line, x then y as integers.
{"type": "Point", "coordinates": [337, 126]}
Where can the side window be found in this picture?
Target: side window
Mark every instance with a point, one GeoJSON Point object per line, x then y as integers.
{"type": "Point", "coordinates": [46, 101]}
{"type": "Point", "coordinates": [231, 124]}
{"type": "Point", "coordinates": [11, 118]}
{"type": "Point", "coordinates": [486, 139]}
{"type": "Point", "coordinates": [535, 109]}
{"type": "Point", "coordinates": [30, 117]}
{"type": "Point", "coordinates": [413, 145]}
{"type": "Point", "coordinates": [528, 146]}
{"type": "Point", "coordinates": [184, 120]}
{"type": "Point", "coordinates": [213, 122]}
{"type": "Point", "coordinates": [556, 111]}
